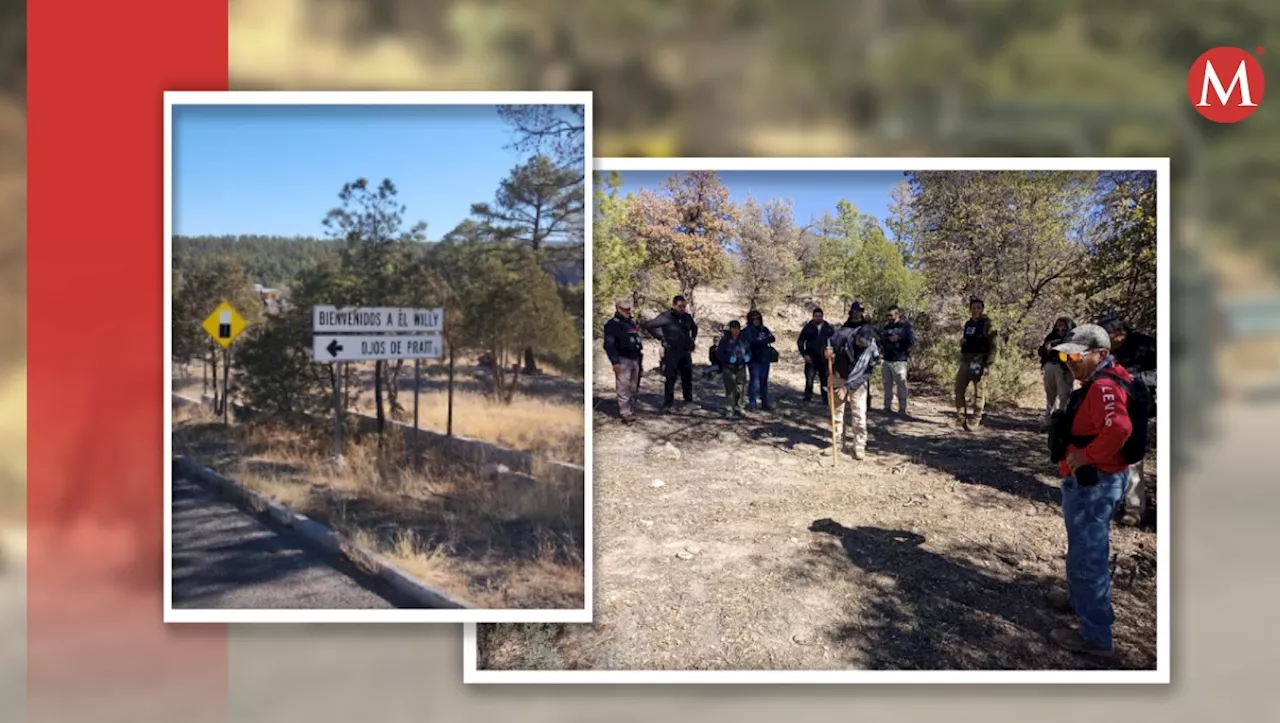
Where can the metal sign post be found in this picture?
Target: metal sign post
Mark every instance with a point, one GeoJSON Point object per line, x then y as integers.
{"type": "Point", "coordinates": [337, 414]}
{"type": "Point", "coordinates": [224, 325]}
{"type": "Point", "coordinates": [449, 420]}
{"type": "Point", "coordinates": [417, 385]}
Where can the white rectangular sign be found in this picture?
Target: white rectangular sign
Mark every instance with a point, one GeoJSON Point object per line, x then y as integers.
{"type": "Point", "coordinates": [372, 347]}
{"type": "Point", "coordinates": [373, 319]}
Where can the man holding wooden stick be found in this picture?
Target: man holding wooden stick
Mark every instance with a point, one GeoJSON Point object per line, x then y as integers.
{"type": "Point", "coordinates": [853, 354]}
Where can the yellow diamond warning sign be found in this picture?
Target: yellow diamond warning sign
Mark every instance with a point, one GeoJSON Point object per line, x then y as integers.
{"type": "Point", "coordinates": [224, 324]}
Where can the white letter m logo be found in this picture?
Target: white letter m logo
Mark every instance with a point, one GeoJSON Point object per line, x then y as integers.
{"type": "Point", "coordinates": [1241, 78]}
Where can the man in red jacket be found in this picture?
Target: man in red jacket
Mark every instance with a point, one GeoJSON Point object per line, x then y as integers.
{"type": "Point", "coordinates": [1095, 476]}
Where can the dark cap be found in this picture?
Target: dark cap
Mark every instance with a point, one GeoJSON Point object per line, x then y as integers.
{"type": "Point", "coordinates": [855, 306]}
{"type": "Point", "coordinates": [1112, 325]}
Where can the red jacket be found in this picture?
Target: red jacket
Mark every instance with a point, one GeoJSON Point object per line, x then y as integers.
{"type": "Point", "coordinates": [1102, 413]}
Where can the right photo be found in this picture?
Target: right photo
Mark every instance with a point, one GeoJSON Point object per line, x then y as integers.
{"type": "Point", "coordinates": [871, 415]}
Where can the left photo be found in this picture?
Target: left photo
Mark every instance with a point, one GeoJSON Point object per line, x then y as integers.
{"type": "Point", "coordinates": [374, 353]}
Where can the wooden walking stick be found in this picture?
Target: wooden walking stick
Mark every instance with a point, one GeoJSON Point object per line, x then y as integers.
{"type": "Point", "coordinates": [831, 398]}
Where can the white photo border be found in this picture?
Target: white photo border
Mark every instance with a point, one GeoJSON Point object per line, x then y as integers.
{"type": "Point", "coordinates": [1159, 676]}
{"type": "Point", "coordinates": [174, 99]}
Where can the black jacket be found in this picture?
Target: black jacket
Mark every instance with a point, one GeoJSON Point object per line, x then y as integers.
{"type": "Point", "coordinates": [900, 350]}
{"type": "Point", "coordinates": [622, 339]}
{"type": "Point", "coordinates": [853, 362]}
{"type": "Point", "coordinates": [1137, 353]}
{"type": "Point", "coordinates": [813, 338]}
{"type": "Point", "coordinates": [675, 329]}
{"type": "Point", "coordinates": [844, 337]}
{"type": "Point", "coordinates": [1048, 355]}
{"type": "Point", "coordinates": [758, 338]}
{"type": "Point", "coordinates": [979, 338]}
{"type": "Point", "coordinates": [733, 353]}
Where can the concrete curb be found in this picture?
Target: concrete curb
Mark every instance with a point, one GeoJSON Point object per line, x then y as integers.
{"type": "Point", "coordinates": [318, 534]}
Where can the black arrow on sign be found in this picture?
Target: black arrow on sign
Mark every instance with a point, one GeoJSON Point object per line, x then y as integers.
{"type": "Point", "coordinates": [333, 348]}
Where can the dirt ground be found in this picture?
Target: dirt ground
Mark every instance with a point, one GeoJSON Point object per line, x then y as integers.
{"type": "Point", "coordinates": [735, 545]}
{"type": "Point", "coordinates": [494, 545]}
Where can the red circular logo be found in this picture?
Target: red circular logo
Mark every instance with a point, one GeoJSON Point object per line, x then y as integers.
{"type": "Point", "coordinates": [1226, 84]}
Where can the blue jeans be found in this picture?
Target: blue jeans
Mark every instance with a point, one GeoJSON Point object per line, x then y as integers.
{"type": "Point", "coordinates": [758, 380]}
{"type": "Point", "coordinates": [1087, 512]}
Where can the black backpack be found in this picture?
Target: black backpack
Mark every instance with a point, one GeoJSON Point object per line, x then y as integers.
{"type": "Point", "coordinates": [1138, 407]}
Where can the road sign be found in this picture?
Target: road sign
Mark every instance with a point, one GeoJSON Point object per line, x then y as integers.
{"type": "Point", "coordinates": [374, 347]}
{"type": "Point", "coordinates": [375, 319]}
{"type": "Point", "coordinates": [224, 324]}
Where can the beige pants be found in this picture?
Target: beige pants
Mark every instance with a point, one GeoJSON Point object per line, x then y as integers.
{"type": "Point", "coordinates": [626, 383]}
{"type": "Point", "coordinates": [963, 379]}
{"type": "Point", "coordinates": [1135, 497]}
{"type": "Point", "coordinates": [1058, 384]}
{"type": "Point", "coordinates": [855, 400]}
{"type": "Point", "coordinates": [894, 376]}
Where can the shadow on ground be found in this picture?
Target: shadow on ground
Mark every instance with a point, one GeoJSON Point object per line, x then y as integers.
{"type": "Point", "coordinates": [922, 610]}
{"type": "Point", "coordinates": [1000, 455]}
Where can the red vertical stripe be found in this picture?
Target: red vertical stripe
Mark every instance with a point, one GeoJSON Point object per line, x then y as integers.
{"type": "Point", "coordinates": [96, 75]}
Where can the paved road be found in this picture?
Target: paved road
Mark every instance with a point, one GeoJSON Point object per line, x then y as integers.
{"type": "Point", "coordinates": [224, 558]}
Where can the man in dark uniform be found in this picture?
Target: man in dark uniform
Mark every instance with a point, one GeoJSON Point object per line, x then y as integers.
{"type": "Point", "coordinates": [678, 332]}
{"type": "Point", "coordinates": [623, 346]}
{"type": "Point", "coordinates": [977, 354]}
{"type": "Point", "coordinates": [812, 340]}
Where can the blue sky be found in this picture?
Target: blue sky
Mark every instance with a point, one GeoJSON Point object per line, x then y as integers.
{"type": "Point", "coordinates": [277, 169]}
{"type": "Point", "coordinates": [812, 193]}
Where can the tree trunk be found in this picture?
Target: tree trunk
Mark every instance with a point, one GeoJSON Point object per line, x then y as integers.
{"type": "Point", "coordinates": [530, 364]}
{"type": "Point", "coordinates": [510, 392]}
{"type": "Point", "coordinates": [393, 389]}
{"type": "Point", "coordinates": [377, 399]}
{"type": "Point", "coordinates": [499, 375]}
{"type": "Point", "coordinates": [218, 401]}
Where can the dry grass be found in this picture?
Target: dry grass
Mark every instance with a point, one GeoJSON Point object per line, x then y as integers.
{"type": "Point", "coordinates": [542, 427]}
{"type": "Point", "coordinates": [496, 546]}
{"type": "Point", "coordinates": [547, 421]}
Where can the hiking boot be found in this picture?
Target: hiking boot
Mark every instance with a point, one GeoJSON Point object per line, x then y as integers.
{"type": "Point", "coordinates": [961, 422]}
{"type": "Point", "coordinates": [977, 422]}
{"type": "Point", "coordinates": [1060, 601]}
{"type": "Point", "coordinates": [628, 419]}
{"type": "Point", "coordinates": [859, 454]}
{"type": "Point", "coordinates": [807, 398]}
{"type": "Point", "coordinates": [1069, 639]}
{"type": "Point", "coordinates": [1130, 518]}
{"type": "Point", "coordinates": [668, 409]}
{"type": "Point", "coordinates": [766, 407]}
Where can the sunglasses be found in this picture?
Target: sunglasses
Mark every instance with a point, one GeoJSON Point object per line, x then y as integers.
{"type": "Point", "coordinates": [1075, 356]}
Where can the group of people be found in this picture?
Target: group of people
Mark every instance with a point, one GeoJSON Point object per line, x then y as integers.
{"type": "Point", "coordinates": [1099, 388]}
